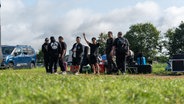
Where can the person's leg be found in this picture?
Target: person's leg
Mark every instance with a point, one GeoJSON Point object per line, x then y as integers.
{"type": "Point", "coordinates": [123, 64]}
{"type": "Point", "coordinates": [97, 68]}
{"type": "Point", "coordinates": [73, 65]}
{"type": "Point", "coordinates": [46, 64]}
{"type": "Point", "coordinates": [51, 65]}
{"type": "Point", "coordinates": [78, 64]}
{"type": "Point", "coordinates": [62, 65]}
{"type": "Point", "coordinates": [81, 67]}
{"type": "Point", "coordinates": [55, 64]}
{"type": "Point", "coordinates": [109, 64]}
{"type": "Point", "coordinates": [93, 68]}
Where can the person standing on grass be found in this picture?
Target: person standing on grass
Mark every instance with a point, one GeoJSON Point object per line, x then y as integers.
{"type": "Point", "coordinates": [54, 49]}
{"type": "Point", "coordinates": [120, 49]}
{"type": "Point", "coordinates": [77, 50]}
{"type": "Point", "coordinates": [46, 54]}
{"type": "Point", "coordinates": [62, 54]}
{"type": "Point", "coordinates": [108, 47]}
{"type": "Point", "coordinates": [94, 53]}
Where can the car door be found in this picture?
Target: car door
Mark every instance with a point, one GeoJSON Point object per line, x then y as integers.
{"type": "Point", "coordinates": [18, 57]}
{"type": "Point", "coordinates": [26, 56]}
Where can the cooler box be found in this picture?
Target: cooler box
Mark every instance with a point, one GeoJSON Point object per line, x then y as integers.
{"type": "Point", "coordinates": [177, 65]}
{"type": "Point", "coordinates": [135, 69]}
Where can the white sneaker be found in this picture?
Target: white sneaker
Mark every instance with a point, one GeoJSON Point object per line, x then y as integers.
{"type": "Point", "coordinates": [77, 73]}
{"type": "Point", "coordinates": [55, 73]}
{"type": "Point", "coordinates": [64, 73]}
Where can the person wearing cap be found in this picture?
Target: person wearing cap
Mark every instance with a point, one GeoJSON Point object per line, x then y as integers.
{"type": "Point", "coordinates": [120, 49]}
{"type": "Point", "coordinates": [77, 50]}
{"type": "Point", "coordinates": [46, 54]}
{"type": "Point", "coordinates": [62, 54]}
{"type": "Point", "coordinates": [54, 49]}
{"type": "Point", "coordinates": [94, 53]}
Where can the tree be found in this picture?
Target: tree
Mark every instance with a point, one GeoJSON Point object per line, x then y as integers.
{"type": "Point", "coordinates": [169, 35]}
{"type": "Point", "coordinates": [102, 40]}
{"type": "Point", "coordinates": [40, 56]}
{"type": "Point", "coordinates": [175, 37]}
{"type": "Point", "coordinates": [144, 38]}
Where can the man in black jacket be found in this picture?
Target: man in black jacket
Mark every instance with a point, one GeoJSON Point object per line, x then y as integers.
{"type": "Point", "coordinates": [46, 54]}
{"type": "Point", "coordinates": [77, 50]}
{"type": "Point", "coordinates": [54, 49]}
{"type": "Point", "coordinates": [120, 49]}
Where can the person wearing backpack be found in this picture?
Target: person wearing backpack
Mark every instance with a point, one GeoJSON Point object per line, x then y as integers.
{"type": "Point", "coordinates": [120, 50]}
{"type": "Point", "coordinates": [54, 49]}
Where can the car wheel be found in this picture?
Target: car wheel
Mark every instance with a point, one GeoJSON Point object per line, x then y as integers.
{"type": "Point", "coordinates": [32, 65]}
{"type": "Point", "coordinates": [10, 65]}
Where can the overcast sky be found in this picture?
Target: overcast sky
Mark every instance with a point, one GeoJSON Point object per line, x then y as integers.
{"type": "Point", "coordinates": [30, 21]}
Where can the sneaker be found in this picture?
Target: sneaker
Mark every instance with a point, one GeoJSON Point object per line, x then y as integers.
{"type": "Point", "coordinates": [55, 73]}
{"type": "Point", "coordinates": [77, 73]}
{"type": "Point", "coordinates": [123, 73]}
{"type": "Point", "coordinates": [64, 73]}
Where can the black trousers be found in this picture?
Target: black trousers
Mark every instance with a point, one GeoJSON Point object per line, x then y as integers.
{"type": "Point", "coordinates": [53, 64]}
{"type": "Point", "coordinates": [46, 63]}
{"type": "Point", "coordinates": [61, 64]}
{"type": "Point", "coordinates": [121, 62]}
{"type": "Point", "coordinates": [111, 66]}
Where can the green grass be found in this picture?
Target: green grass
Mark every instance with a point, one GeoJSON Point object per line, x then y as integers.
{"type": "Point", "coordinates": [36, 87]}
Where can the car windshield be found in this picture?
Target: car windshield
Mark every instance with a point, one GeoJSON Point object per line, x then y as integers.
{"type": "Point", "coordinates": [7, 50]}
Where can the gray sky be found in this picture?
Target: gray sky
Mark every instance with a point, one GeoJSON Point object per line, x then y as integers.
{"type": "Point", "coordinates": [30, 21]}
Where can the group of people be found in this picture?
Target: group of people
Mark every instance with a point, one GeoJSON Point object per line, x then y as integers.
{"type": "Point", "coordinates": [54, 51]}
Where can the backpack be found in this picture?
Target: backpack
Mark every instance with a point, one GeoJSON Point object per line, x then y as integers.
{"type": "Point", "coordinates": [122, 46]}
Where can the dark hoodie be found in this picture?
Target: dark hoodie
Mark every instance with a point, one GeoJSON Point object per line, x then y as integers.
{"type": "Point", "coordinates": [54, 47]}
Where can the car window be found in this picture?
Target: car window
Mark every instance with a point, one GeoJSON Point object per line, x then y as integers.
{"type": "Point", "coordinates": [7, 50]}
{"type": "Point", "coordinates": [25, 51]}
{"type": "Point", "coordinates": [30, 51]}
{"type": "Point", "coordinates": [17, 51]}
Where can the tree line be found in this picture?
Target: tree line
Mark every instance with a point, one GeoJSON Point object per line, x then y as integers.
{"type": "Point", "coordinates": [146, 38]}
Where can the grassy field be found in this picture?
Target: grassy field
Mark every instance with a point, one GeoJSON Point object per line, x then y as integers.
{"type": "Point", "coordinates": [34, 86]}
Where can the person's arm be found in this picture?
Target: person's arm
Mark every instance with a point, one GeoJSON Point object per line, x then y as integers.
{"type": "Point", "coordinates": [86, 39]}
{"type": "Point", "coordinates": [64, 50]}
{"type": "Point", "coordinates": [43, 49]}
{"type": "Point", "coordinates": [73, 47]}
{"type": "Point", "coordinates": [113, 51]}
{"type": "Point", "coordinates": [59, 49]}
{"type": "Point", "coordinates": [113, 48]}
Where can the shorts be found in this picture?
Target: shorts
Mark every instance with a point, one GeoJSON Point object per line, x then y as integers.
{"type": "Point", "coordinates": [93, 59]}
{"type": "Point", "coordinates": [76, 61]}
